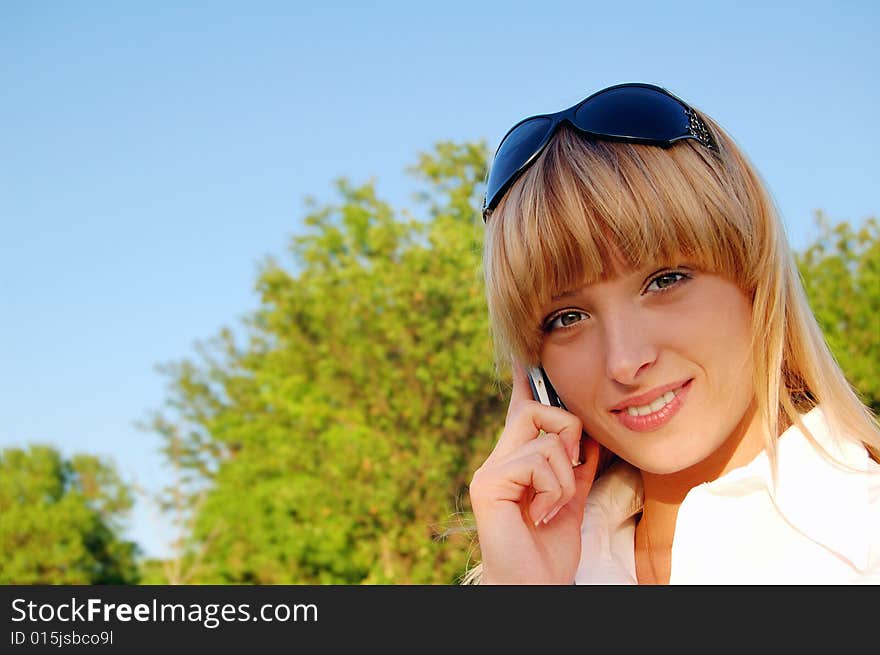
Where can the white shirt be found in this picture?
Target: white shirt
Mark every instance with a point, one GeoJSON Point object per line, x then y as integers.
{"type": "Point", "coordinates": [821, 526]}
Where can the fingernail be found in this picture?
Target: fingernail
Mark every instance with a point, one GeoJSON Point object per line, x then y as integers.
{"type": "Point", "coordinates": [552, 513]}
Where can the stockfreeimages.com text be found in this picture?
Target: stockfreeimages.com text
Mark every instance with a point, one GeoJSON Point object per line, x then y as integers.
{"type": "Point", "coordinates": [209, 615]}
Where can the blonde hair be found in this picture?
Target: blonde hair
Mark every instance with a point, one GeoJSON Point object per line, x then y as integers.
{"type": "Point", "coordinates": [584, 201]}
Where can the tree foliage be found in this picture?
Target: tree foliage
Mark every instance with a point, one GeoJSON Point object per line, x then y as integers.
{"type": "Point", "coordinates": [841, 273]}
{"type": "Point", "coordinates": [337, 444]}
{"type": "Point", "coordinates": [60, 520]}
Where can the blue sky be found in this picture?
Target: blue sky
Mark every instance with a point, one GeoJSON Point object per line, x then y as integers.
{"type": "Point", "coordinates": [153, 153]}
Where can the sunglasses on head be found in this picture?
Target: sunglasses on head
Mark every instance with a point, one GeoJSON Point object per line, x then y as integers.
{"type": "Point", "coordinates": [634, 113]}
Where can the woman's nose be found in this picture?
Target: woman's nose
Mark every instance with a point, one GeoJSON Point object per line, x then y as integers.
{"type": "Point", "coordinates": [630, 349]}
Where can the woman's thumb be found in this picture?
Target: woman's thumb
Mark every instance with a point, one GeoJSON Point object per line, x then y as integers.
{"type": "Point", "coordinates": [585, 473]}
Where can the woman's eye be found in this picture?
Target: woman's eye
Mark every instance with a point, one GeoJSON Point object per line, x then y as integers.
{"type": "Point", "coordinates": [663, 282]}
{"type": "Point", "coordinates": [564, 320]}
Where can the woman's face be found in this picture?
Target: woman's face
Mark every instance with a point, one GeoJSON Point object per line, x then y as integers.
{"type": "Point", "coordinates": [655, 362]}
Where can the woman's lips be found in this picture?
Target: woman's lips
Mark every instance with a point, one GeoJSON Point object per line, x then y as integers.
{"type": "Point", "coordinates": [658, 419]}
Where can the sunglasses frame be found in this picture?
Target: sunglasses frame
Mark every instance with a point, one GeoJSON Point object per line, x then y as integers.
{"type": "Point", "coordinates": [696, 129]}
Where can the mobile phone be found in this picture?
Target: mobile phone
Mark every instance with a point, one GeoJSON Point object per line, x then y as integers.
{"type": "Point", "coordinates": [542, 390]}
{"type": "Point", "coordinates": [544, 393]}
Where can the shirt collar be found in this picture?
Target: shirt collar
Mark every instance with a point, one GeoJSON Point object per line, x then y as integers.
{"type": "Point", "coordinates": [826, 500]}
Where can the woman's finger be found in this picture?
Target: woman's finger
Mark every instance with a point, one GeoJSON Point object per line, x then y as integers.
{"type": "Point", "coordinates": [532, 471]}
{"type": "Point", "coordinates": [585, 474]}
{"type": "Point", "coordinates": [551, 447]}
{"type": "Point", "coordinates": [522, 391]}
{"type": "Point", "coordinates": [528, 422]}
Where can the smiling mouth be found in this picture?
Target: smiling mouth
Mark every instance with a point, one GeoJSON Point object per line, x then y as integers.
{"type": "Point", "coordinates": [654, 415]}
{"type": "Point", "coordinates": [655, 405]}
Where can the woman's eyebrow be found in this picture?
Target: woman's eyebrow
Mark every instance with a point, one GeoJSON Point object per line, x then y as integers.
{"type": "Point", "coordinates": [643, 272]}
{"type": "Point", "coordinates": [566, 294]}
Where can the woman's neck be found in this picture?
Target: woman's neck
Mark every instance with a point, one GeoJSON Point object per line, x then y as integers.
{"type": "Point", "coordinates": [663, 495]}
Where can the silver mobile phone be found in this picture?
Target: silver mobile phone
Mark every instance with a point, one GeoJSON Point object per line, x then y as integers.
{"type": "Point", "coordinates": [542, 390]}
{"type": "Point", "coordinates": [544, 393]}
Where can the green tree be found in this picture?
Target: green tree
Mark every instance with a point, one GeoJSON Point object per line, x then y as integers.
{"type": "Point", "coordinates": [841, 273]}
{"type": "Point", "coordinates": [337, 443]}
{"type": "Point", "coordinates": [60, 520]}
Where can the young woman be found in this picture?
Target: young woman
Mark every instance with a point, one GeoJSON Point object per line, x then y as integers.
{"type": "Point", "coordinates": [633, 252]}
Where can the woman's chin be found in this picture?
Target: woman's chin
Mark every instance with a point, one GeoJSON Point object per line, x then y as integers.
{"type": "Point", "coordinates": [664, 462]}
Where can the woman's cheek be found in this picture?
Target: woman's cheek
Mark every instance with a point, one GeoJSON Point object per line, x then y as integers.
{"type": "Point", "coordinates": [578, 380]}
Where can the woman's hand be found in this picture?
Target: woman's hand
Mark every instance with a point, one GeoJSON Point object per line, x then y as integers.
{"type": "Point", "coordinates": [528, 498]}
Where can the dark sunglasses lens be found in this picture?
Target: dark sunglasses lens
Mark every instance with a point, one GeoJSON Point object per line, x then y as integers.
{"type": "Point", "coordinates": [633, 112]}
{"type": "Point", "coordinates": [514, 151]}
